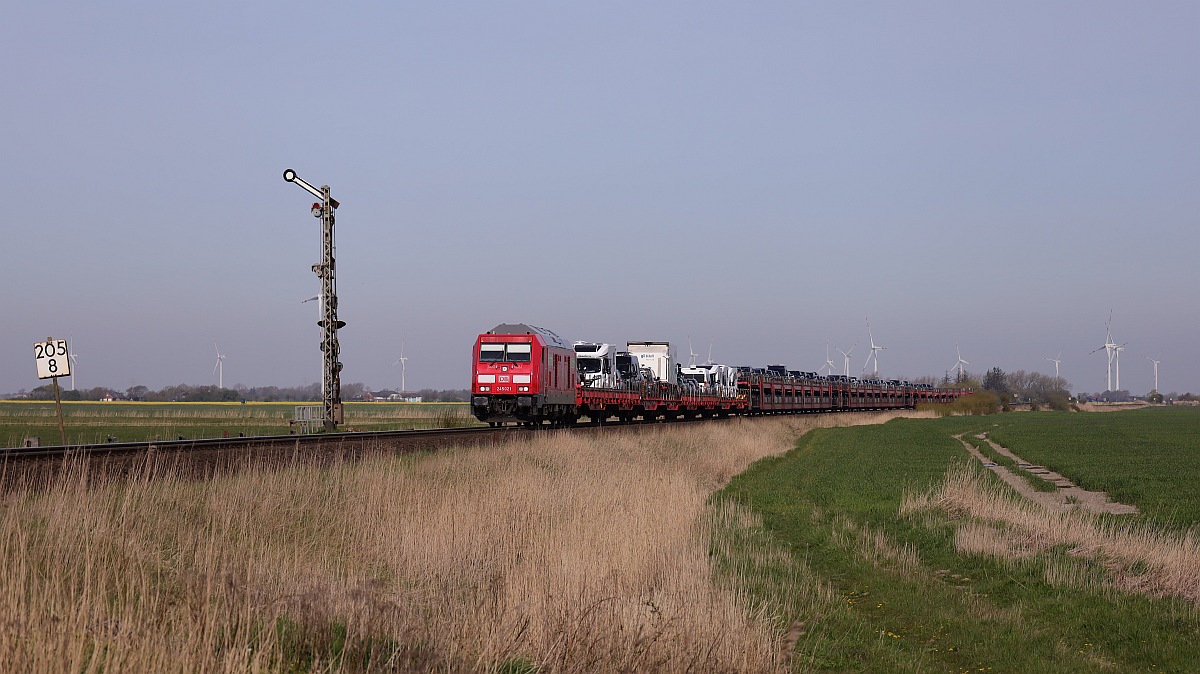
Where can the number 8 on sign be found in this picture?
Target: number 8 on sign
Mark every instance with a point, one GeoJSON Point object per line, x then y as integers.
{"type": "Point", "coordinates": [51, 357]}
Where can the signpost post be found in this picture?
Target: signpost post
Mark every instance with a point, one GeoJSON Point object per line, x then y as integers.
{"type": "Point", "coordinates": [52, 363]}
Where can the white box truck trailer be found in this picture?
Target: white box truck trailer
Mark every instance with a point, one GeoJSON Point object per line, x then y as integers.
{"type": "Point", "coordinates": [656, 358]}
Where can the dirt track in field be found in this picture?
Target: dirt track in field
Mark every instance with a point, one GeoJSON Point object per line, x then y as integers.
{"type": "Point", "coordinates": [1068, 496]}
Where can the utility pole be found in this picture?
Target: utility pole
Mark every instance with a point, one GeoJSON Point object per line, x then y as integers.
{"type": "Point", "coordinates": [331, 386]}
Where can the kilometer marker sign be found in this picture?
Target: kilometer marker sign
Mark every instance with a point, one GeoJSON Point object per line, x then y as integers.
{"type": "Point", "coordinates": [52, 360]}
{"type": "Point", "coordinates": [52, 363]}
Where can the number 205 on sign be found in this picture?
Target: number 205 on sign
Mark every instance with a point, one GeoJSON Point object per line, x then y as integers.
{"type": "Point", "coordinates": [52, 359]}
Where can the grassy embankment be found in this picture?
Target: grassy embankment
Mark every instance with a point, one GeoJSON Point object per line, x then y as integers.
{"type": "Point", "coordinates": [940, 567]}
{"type": "Point", "coordinates": [570, 553]}
{"type": "Point", "coordinates": [95, 422]}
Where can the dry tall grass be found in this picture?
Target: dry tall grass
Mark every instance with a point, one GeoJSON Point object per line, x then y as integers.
{"type": "Point", "coordinates": [566, 552]}
{"type": "Point", "coordinates": [998, 523]}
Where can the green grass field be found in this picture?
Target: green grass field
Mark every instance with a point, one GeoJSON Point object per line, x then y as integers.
{"type": "Point", "coordinates": [910, 601]}
{"type": "Point", "coordinates": [95, 422]}
{"type": "Point", "coordinates": [1149, 457]}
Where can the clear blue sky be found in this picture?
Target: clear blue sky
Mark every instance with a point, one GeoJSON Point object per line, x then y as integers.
{"type": "Point", "coordinates": [762, 176]}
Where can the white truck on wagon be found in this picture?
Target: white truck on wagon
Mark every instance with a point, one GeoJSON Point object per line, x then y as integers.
{"type": "Point", "coordinates": [656, 358]}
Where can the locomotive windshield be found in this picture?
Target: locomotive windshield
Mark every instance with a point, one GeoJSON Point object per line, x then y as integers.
{"type": "Point", "coordinates": [512, 353]}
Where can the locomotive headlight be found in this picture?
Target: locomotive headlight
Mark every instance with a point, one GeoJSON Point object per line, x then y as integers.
{"type": "Point", "coordinates": [485, 388]}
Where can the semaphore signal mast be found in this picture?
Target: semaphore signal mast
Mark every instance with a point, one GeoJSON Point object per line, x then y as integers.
{"type": "Point", "coordinates": [331, 386]}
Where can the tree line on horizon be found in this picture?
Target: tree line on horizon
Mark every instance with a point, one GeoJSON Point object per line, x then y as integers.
{"type": "Point", "coordinates": [1034, 387]}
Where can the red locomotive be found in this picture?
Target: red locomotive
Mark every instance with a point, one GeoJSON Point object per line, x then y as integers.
{"type": "Point", "coordinates": [525, 374]}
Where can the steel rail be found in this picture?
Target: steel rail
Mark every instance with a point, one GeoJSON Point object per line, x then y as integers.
{"type": "Point", "coordinates": [359, 437]}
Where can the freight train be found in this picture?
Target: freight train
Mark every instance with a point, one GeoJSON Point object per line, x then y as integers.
{"type": "Point", "coordinates": [528, 375]}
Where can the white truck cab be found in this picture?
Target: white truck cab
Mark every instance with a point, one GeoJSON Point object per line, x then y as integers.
{"type": "Point", "coordinates": [597, 364]}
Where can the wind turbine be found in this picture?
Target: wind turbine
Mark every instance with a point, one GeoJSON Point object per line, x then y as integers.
{"type": "Point", "coordinates": [1112, 349]}
{"type": "Point", "coordinates": [1156, 362]}
{"type": "Point", "coordinates": [710, 360]}
{"type": "Point", "coordinates": [960, 362]}
{"type": "Point", "coordinates": [1057, 360]}
{"type": "Point", "coordinates": [74, 358]}
{"type": "Point", "coordinates": [401, 361]}
{"type": "Point", "coordinates": [219, 367]}
{"type": "Point", "coordinates": [875, 349]}
{"type": "Point", "coordinates": [846, 354]}
{"type": "Point", "coordinates": [829, 366]}
{"type": "Point", "coordinates": [1117, 352]}
{"type": "Point", "coordinates": [691, 354]}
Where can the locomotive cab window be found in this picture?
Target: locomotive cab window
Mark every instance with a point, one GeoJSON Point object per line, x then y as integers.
{"type": "Point", "coordinates": [511, 353]}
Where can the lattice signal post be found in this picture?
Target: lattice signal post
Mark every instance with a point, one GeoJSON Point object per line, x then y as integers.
{"type": "Point", "coordinates": [331, 382]}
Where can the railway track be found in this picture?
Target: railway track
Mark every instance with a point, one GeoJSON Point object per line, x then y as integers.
{"type": "Point", "coordinates": [38, 467]}
{"type": "Point", "coordinates": [406, 439]}
{"type": "Point", "coordinates": [249, 444]}
{"type": "Point", "coordinates": [207, 457]}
